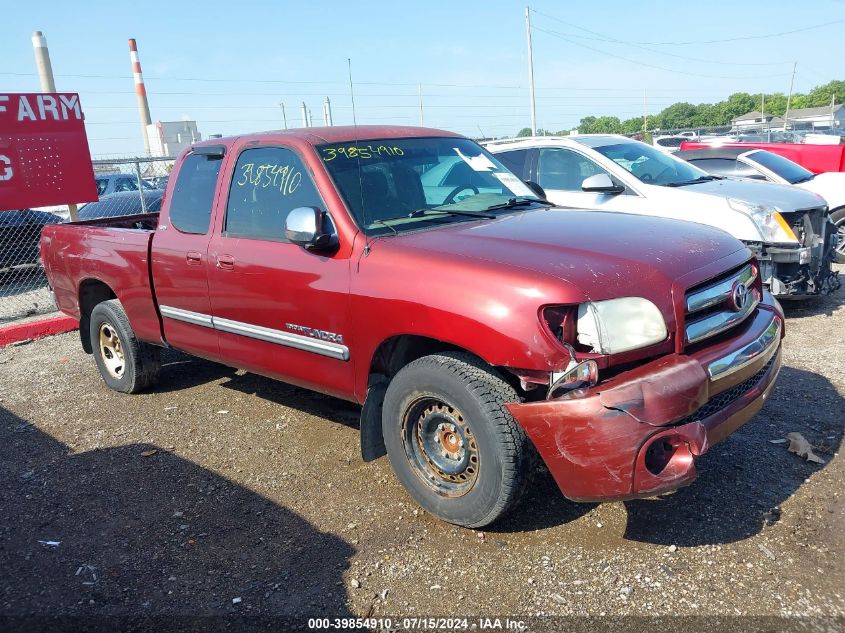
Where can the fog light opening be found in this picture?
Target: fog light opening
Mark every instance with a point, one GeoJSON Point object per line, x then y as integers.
{"type": "Point", "coordinates": [658, 455]}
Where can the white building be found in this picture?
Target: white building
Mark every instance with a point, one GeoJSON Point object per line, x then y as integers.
{"type": "Point", "coordinates": [823, 117]}
{"type": "Point", "coordinates": [168, 138]}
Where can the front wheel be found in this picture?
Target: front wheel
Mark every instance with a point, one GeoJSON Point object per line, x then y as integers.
{"type": "Point", "coordinates": [838, 218]}
{"type": "Point", "coordinates": [456, 449]}
{"type": "Point", "coordinates": [125, 363]}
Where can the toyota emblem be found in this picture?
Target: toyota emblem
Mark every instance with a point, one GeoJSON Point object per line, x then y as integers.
{"type": "Point", "coordinates": [739, 296]}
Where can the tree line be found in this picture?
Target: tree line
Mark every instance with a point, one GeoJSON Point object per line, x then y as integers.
{"type": "Point", "coordinates": [689, 115]}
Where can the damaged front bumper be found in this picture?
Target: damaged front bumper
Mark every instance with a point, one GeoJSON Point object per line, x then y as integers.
{"type": "Point", "coordinates": [638, 434]}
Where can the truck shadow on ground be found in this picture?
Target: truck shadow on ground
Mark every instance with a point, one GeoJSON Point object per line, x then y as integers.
{"type": "Point", "coordinates": [744, 480]}
{"type": "Point", "coordinates": [155, 538]}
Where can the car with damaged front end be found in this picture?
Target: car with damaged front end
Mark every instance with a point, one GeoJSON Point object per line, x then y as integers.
{"type": "Point", "coordinates": [406, 269]}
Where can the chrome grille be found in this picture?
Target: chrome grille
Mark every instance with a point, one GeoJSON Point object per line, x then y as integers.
{"type": "Point", "coordinates": [721, 304]}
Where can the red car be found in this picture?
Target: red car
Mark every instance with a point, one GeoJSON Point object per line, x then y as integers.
{"type": "Point", "coordinates": [406, 269]}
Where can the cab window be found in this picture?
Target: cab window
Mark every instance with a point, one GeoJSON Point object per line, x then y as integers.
{"type": "Point", "coordinates": [268, 183]}
{"type": "Point", "coordinates": [193, 193]}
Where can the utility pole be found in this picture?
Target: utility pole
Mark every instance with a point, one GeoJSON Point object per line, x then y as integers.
{"type": "Point", "coordinates": [284, 116]}
{"type": "Point", "coordinates": [48, 84]}
{"type": "Point", "coordinates": [789, 97]}
{"type": "Point", "coordinates": [327, 112]}
{"type": "Point", "coordinates": [764, 123]}
{"type": "Point", "coordinates": [832, 101]}
{"type": "Point", "coordinates": [141, 93]}
{"type": "Point", "coordinates": [304, 115]}
{"type": "Point", "coordinates": [310, 118]}
{"type": "Point", "coordinates": [645, 114]}
{"type": "Point", "coordinates": [531, 72]}
{"type": "Point", "coordinates": [419, 92]}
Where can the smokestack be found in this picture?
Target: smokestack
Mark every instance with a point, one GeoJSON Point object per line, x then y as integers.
{"type": "Point", "coordinates": [141, 93]}
{"type": "Point", "coordinates": [304, 115]}
{"type": "Point", "coordinates": [42, 61]}
{"type": "Point", "coordinates": [327, 112]}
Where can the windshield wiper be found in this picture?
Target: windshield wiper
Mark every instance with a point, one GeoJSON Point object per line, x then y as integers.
{"type": "Point", "coordinates": [518, 202]}
{"type": "Point", "coordinates": [468, 214]}
{"type": "Point", "coordinates": [694, 181]}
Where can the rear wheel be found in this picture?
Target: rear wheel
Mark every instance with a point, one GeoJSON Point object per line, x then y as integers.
{"type": "Point", "coordinates": [452, 444]}
{"type": "Point", "coordinates": [125, 363]}
{"type": "Point", "coordinates": [838, 218]}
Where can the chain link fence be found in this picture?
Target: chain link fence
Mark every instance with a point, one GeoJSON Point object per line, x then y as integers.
{"type": "Point", "coordinates": [125, 186]}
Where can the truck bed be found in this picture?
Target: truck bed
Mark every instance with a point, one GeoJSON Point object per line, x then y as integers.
{"type": "Point", "coordinates": [104, 257]}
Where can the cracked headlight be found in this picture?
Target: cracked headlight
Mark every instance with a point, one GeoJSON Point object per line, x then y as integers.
{"type": "Point", "coordinates": [619, 325]}
{"type": "Point", "coordinates": [769, 221]}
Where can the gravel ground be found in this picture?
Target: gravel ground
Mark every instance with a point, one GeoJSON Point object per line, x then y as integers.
{"type": "Point", "coordinates": [224, 493]}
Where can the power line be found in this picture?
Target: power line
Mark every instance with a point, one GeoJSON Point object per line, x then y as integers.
{"type": "Point", "coordinates": [720, 41]}
{"type": "Point", "coordinates": [604, 38]}
{"type": "Point", "coordinates": [663, 68]}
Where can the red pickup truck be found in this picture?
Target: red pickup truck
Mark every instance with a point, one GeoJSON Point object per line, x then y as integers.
{"type": "Point", "coordinates": [408, 270]}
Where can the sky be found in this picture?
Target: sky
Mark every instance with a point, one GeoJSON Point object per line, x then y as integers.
{"type": "Point", "coordinates": [229, 65]}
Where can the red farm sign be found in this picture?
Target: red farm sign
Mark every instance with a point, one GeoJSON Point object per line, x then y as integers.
{"type": "Point", "coordinates": [44, 156]}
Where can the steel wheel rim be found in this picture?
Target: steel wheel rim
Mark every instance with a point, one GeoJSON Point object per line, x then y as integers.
{"type": "Point", "coordinates": [111, 351]}
{"type": "Point", "coordinates": [840, 233]}
{"type": "Point", "coordinates": [441, 447]}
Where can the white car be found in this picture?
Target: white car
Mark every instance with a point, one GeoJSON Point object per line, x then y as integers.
{"type": "Point", "coordinates": [787, 228]}
{"type": "Point", "coordinates": [761, 164]}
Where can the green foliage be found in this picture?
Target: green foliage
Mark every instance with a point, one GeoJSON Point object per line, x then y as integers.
{"type": "Point", "coordinates": [688, 115]}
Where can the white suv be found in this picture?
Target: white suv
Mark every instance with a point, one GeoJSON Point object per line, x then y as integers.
{"type": "Point", "coordinates": [787, 228]}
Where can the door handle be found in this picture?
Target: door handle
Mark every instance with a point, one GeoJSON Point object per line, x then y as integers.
{"type": "Point", "coordinates": [193, 258]}
{"type": "Point", "coordinates": [225, 262]}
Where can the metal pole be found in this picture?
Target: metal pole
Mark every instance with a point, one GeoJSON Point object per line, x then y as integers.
{"type": "Point", "coordinates": [42, 62]}
{"type": "Point", "coordinates": [140, 186]}
{"type": "Point", "coordinates": [310, 118]}
{"type": "Point", "coordinates": [284, 116]}
{"type": "Point", "coordinates": [789, 97]}
{"type": "Point", "coordinates": [832, 122]}
{"type": "Point", "coordinates": [327, 106]}
{"type": "Point", "coordinates": [531, 72]}
{"type": "Point", "coordinates": [141, 93]}
{"type": "Point", "coordinates": [645, 114]}
{"type": "Point", "coordinates": [419, 92]}
{"type": "Point", "coordinates": [304, 115]}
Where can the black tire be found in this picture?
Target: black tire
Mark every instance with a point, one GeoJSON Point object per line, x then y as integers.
{"type": "Point", "coordinates": [125, 363]}
{"type": "Point", "coordinates": [472, 410]}
{"type": "Point", "coordinates": [838, 218]}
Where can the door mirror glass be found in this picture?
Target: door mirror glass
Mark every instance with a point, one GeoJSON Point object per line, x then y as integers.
{"type": "Point", "coordinates": [306, 226]}
{"type": "Point", "coordinates": [601, 183]}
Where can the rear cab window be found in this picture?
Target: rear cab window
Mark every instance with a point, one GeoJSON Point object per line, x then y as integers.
{"type": "Point", "coordinates": [193, 193]}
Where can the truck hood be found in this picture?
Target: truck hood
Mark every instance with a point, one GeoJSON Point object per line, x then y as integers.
{"type": "Point", "coordinates": [785, 197]}
{"type": "Point", "coordinates": [600, 255]}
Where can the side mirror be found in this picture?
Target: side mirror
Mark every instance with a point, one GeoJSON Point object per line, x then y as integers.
{"type": "Point", "coordinates": [601, 183]}
{"type": "Point", "coordinates": [306, 226]}
{"type": "Point", "coordinates": [533, 186]}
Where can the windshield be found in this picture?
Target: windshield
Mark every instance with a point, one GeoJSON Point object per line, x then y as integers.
{"type": "Point", "coordinates": [791, 172]}
{"type": "Point", "coordinates": [649, 164]}
{"type": "Point", "coordinates": [398, 184]}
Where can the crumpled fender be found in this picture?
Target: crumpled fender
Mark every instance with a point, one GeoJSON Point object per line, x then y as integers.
{"type": "Point", "coordinates": [591, 444]}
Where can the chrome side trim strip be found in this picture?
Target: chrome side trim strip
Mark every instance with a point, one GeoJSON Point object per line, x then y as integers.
{"type": "Point", "coordinates": [764, 344]}
{"type": "Point", "coordinates": [195, 318]}
{"type": "Point", "coordinates": [719, 292]}
{"type": "Point", "coordinates": [297, 341]}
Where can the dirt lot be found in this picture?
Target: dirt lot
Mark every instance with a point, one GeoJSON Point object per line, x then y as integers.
{"type": "Point", "coordinates": [225, 493]}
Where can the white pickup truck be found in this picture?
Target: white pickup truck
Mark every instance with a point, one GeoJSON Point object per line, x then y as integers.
{"type": "Point", "coordinates": [788, 228]}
